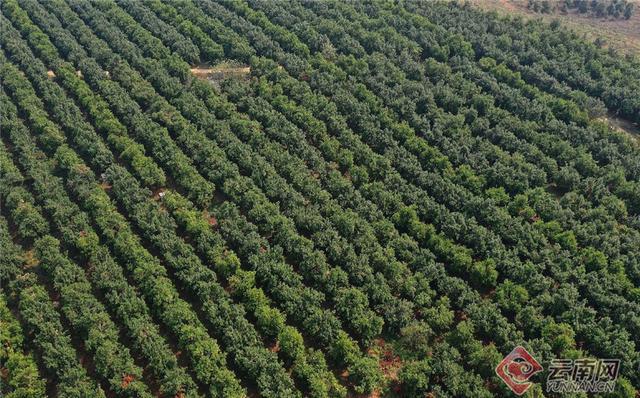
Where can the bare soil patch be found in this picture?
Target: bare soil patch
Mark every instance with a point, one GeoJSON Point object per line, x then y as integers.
{"type": "Point", "coordinates": [221, 71]}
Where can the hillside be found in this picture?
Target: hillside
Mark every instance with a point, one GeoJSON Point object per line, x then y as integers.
{"type": "Point", "coordinates": [320, 199]}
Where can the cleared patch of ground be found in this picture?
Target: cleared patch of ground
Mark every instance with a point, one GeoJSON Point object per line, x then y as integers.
{"type": "Point", "coordinates": [219, 72]}
{"type": "Point", "coordinates": [622, 125]}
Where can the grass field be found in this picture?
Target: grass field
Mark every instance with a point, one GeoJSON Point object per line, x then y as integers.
{"type": "Point", "coordinates": [620, 34]}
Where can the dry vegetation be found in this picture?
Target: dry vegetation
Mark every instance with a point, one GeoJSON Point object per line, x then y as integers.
{"type": "Point", "coordinates": [617, 33]}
